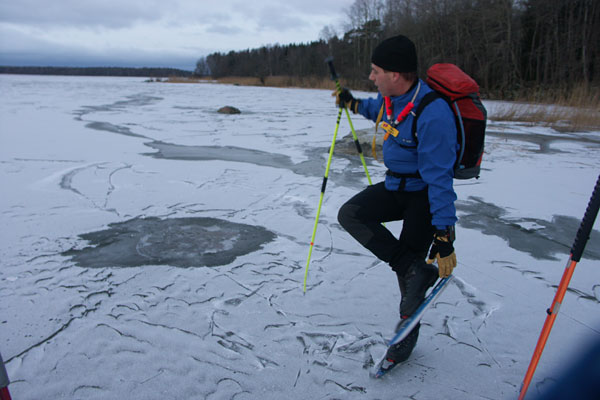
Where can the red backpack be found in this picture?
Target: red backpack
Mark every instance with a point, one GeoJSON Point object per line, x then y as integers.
{"type": "Point", "coordinates": [461, 92]}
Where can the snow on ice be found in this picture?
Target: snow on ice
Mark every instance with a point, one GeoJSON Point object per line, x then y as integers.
{"type": "Point", "coordinates": [154, 248]}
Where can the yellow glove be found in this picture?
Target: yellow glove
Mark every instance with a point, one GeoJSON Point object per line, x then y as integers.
{"type": "Point", "coordinates": [344, 99]}
{"type": "Point", "coordinates": [442, 251]}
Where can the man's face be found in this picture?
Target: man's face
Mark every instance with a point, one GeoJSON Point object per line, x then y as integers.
{"type": "Point", "coordinates": [382, 79]}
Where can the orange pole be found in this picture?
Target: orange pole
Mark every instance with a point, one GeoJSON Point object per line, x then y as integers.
{"type": "Point", "coordinates": [552, 313]}
{"type": "Point", "coordinates": [581, 238]}
{"type": "Point", "coordinates": [4, 394]}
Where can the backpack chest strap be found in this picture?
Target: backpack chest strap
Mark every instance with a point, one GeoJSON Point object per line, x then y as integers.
{"type": "Point", "coordinates": [425, 101]}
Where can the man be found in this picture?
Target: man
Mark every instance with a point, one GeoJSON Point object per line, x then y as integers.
{"type": "Point", "coordinates": [418, 184]}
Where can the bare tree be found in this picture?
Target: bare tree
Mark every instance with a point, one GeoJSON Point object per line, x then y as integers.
{"type": "Point", "coordinates": [506, 45]}
{"type": "Point", "coordinates": [561, 41]}
{"type": "Point", "coordinates": [327, 33]}
{"type": "Point", "coordinates": [364, 29]}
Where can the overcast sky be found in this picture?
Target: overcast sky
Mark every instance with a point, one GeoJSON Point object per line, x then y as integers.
{"type": "Point", "coordinates": [166, 33]}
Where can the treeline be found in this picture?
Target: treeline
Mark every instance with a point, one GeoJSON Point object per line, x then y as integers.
{"type": "Point", "coordinates": [96, 71]}
{"type": "Point", "coordinates": [508, 45]}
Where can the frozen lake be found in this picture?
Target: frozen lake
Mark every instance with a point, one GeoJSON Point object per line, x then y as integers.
{"type": "Point", "coordinates": [154, 248]}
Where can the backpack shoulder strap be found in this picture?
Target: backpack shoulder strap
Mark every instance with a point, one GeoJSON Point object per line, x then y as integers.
{"type": "Point", "coordinates": [428, 98]}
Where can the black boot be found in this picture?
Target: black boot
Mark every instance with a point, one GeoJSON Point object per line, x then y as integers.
{"type": "Point", "coordinates": [401, 351]}
{"type": "Point", "coordinates": [419, 277]}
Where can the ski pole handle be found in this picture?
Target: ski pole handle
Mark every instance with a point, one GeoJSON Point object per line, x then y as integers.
{"type": "Point", "coordinates": [329, 61]}
{"type": "Point", "coordinates": [583, 234]}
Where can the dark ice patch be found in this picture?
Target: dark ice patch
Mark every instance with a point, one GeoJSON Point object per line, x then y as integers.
{"type": "Point", "coordinates": [179, 242]}
{"type": "Point", "coordinates": [224, 153]}
{"type": "Point", "coordinates": [540, 238]}
{"type": "Point", "coordinates": [108, 127]}
{"type": "Point", "coordinates": [136, 100]}
{"type": "Point", "coordinates": [544, 142]}
{"type": "Point", "coordinates": [313, 167]}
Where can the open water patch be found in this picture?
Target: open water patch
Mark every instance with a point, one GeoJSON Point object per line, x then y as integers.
{"type": "Point", "coordinates": [179, 242]}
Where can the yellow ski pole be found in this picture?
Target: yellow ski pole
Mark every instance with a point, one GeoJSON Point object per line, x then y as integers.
{"type": "Point", "coordinates": [312, 240]}
{"type": "Point", "coordinates": [335, 78]}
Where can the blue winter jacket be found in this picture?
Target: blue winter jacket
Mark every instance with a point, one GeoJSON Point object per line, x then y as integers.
{"type": "Point", "coordinates": [433, 157]}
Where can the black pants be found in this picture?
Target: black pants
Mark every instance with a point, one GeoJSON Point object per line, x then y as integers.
{"type": "Point", "coordinates": [363, 214]}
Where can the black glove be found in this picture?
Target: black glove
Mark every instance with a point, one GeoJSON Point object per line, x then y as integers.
{"type": "Point", "coordinates": [344, 99]}
{"type": "Point", "coordinates": [442, 251]}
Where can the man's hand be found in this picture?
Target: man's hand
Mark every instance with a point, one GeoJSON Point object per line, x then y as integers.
{"type": "Point", "coordinates": [344, 99]}
{"type": "Point", "coordinates": [442, 251]}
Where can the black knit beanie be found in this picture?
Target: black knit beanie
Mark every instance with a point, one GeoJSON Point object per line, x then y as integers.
{"type": "Point", "coordinates": [396, 54]}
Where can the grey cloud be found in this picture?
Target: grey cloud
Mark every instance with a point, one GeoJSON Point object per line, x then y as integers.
{"type": "Point", "coordinates": [20, 49]}
{"type": "Point", "coordinates": [224, 29]}
{"type": "Point", "coordinates": [103, 13]}
{"type": "Point", "coordinates": [280, 18]}
{"type": "Point", "coordinates": [319, 7]}
{"type": "Point", "coordinates": [31, 31]}
{"type": "Point", "coordinates": [77, 58]}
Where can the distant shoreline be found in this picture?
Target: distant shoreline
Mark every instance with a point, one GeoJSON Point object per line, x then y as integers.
{"type": "Point", "coordinates": [148, 72]}
{"type": "Point", "coordinates": [279, 81]}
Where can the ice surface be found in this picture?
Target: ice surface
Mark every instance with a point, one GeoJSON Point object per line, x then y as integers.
{"type": "Point", "coordinates": [84, 159]}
